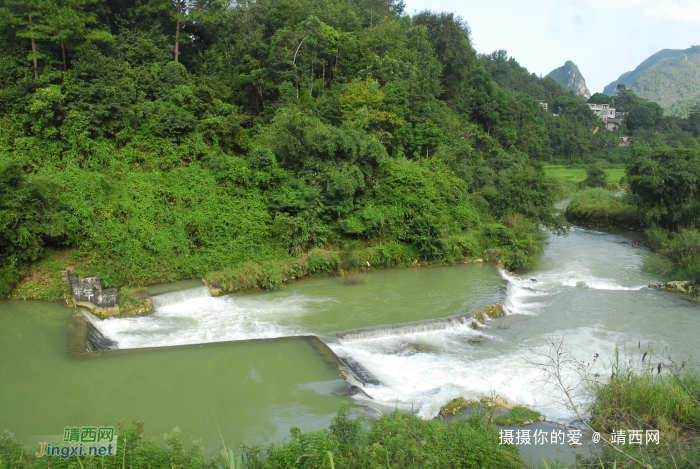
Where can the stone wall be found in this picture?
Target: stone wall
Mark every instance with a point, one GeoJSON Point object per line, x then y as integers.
{"type": "Point", "coordinates": [88, 292]}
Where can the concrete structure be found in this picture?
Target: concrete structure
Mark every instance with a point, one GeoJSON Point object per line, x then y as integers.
{"type": "Point", "coordinates": [604, 111]}
{"type": "Point", "coordinates": [89, 294]}
{"type": "Point", "coordinates": [613, 123]}
{"type": "Point", "coordinates": [625, 141]}
{"type": "Point", "coordinates": [544, 105]}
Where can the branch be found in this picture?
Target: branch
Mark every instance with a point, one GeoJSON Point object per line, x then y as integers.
{"type": "Point", "coordinates": [295, 53]}
{"type": "Point", "coordinates": [556, 361]}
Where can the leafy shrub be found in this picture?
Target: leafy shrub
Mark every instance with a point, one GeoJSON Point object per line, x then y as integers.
{"type": "Point", "coordinates": [595, 177]}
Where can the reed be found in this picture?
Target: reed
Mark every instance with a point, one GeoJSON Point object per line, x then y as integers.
{"type": "Point", "coordinates": [353, 277]}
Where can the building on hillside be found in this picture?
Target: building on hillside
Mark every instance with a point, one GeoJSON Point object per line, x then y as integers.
{"type": "Point", "coordinates": [544, 105]}
{"type": "Point", "coordinates": [625, 141]}
{"type": "Point", "coordinates": [604, 111]}
{"type": "Point", "coordinates": [613, 123]}
{"type": "Point", "coordinates": [612, 118]}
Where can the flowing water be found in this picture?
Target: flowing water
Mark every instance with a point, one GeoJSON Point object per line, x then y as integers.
{"type": "Point", "coordinates": [402, 327]}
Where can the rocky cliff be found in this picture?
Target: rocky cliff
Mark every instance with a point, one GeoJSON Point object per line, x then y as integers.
{"type": "Point", "coordinates": [570, 77]}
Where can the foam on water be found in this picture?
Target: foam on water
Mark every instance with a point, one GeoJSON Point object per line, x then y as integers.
{"type": "Point", "coordinates": [201, 319]}
{"type": "Point", "coordinates": [426, 381]}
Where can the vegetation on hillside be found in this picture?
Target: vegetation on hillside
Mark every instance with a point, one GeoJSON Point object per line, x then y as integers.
{"type": "Point", "coordinates": [166, 140]}
{"type": "Point", "coordinates": [668, 77]}
{"type": "Point", "coordinates": [571, 134]}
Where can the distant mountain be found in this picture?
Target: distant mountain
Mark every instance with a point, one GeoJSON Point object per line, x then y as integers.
{"type": "Point", "coordinates": [671, 77]}
{"type": "Point", "coordinates": [569, 76]}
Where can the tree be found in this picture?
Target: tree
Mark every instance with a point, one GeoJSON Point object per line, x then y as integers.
{"type": "Point", "coordinates": [28, 219]}
{"type": "Point", "coordinates": [450, 37]}
{"type": "Point", "coordinates": [600, 98]}
{"type": "Point", "coordinates": [640, 117]}
{"type": "Point", "coordinates": [177, 29]}
{"type": "Point", "coordinates": [667, 183]}
{"type": "Point", "coordinates": [575, 108]}
{"type": "Point", "coordinates": [694, 120]}
{"type": "Point", "coordinates": [488, 102]}
{"type": "Point", "coordinates": [26, 16]}
{"type": "Point", "coordinates": [595, 177]}
{"type": "Point", "coordinates": [656, 111]}
{"type": "Point", "coordinates": [69, 20]}
{"type": "Point", "coordinates": [626, 100]}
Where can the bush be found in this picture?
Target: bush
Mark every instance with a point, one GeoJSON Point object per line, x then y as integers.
{"type": "Point", "coordinates": [595, 177]}
{"type": "Point", "coordinates": [395, 440]}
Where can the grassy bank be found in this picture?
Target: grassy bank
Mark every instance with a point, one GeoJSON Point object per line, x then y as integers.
{"type": "Point", "coordinates": [600, 209]}
{"type": "Point", "coordinates": [511, 243]}
{"type": "Point", "coordinates": [645, 393]}
{"type": "Point", "coordinates": [396, 440]}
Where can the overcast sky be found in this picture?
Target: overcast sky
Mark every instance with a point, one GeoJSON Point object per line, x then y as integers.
{"type": "Point", "coordinates": [605, 38]}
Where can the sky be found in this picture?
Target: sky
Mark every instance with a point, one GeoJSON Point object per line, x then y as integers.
{"type": "Point", "coordinates": [605, 38]}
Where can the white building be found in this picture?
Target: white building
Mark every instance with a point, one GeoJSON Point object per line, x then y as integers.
{"type": "Point", "coordinates": [604, 111]}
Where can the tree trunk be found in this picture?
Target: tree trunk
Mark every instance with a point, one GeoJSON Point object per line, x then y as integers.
{"type": "Point", "coordinates": [63, 53]}
{"type": "Point", "coordinates": [177, 32]}
{"type": "Point", "coordinates": [36, 68]}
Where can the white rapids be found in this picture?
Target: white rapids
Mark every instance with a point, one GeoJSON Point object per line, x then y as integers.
{"type": "Point", "coordinates": [589, 288]}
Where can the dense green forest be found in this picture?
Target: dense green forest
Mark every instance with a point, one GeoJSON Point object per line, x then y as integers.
{"type": "Point", "coordinates": [158, 140]}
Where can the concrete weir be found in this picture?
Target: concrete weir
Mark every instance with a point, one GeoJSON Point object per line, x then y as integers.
{"type": "Point", "coordinates": [86, 341]}
{"type": "Point", "coordinates": [414, 327]}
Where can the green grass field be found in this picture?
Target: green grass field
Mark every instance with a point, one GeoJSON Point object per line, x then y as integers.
{"type": "Point", "coordinates": [577, 175]}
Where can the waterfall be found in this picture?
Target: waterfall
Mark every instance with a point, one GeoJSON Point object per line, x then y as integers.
{"type": "Point", "coordinates": [398, 330]}
{"type": "Point", "coordinates": [96, 341]}
{"type": "Point", "coordinates": [167, 299]}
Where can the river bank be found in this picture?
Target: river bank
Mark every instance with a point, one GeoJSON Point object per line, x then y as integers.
{"type": "Point", "coordinates": [600, 209]}
{"type": "Point", "coordinates": [347, 266]}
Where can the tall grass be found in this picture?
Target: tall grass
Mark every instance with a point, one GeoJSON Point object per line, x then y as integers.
{"type": "Point", "coordinates": [643, 394]}
{"type": "Point", "coordinates": [682, 249]}
{"type": "Point", "coordinates": [396, 440]}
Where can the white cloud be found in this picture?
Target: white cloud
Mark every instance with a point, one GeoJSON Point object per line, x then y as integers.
{"type": "Point", "coordinates": [682, 11]}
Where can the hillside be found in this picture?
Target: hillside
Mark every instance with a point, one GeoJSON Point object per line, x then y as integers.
{"type": "Point", "coordinates": [276, 139]}
{"type": "Point", "coordinates": [569, 76]}
{"type": "Point", "coordinates": [671, 77]}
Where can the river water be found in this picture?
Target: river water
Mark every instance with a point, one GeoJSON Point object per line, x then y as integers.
{"type": "Point", "coordinates": [589, 288]}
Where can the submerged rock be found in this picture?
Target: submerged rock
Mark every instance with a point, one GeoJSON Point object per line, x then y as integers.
{"type": "Point", "coordinates": [479, 316]}
{"type": "Point", "coordinates": [412, 349]}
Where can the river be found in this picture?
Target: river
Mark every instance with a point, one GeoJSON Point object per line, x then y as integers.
{"type": "Point", "coordinates": [588, 287]}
